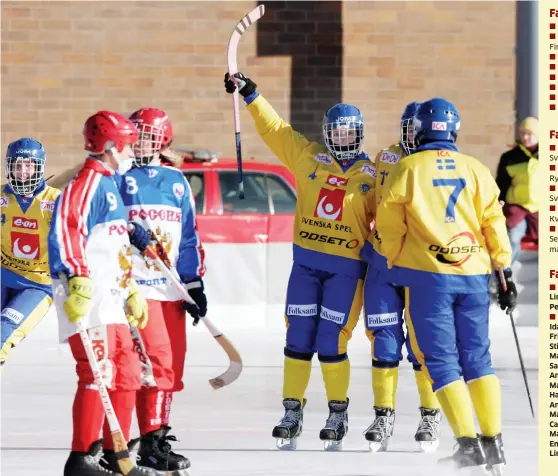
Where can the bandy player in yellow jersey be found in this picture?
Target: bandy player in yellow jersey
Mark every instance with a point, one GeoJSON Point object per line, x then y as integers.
{"type": "Point", "coordinates": [26, 205]}
{"type": "Point", "coordinates": [324, 297]}
{"type": "Point", "coordinates": [384, 303]}
{"type": "Point", "coordinates": [442, 227]}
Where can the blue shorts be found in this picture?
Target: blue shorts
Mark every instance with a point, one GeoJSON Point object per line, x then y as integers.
{"type": "Point", "coordinates": [383, 308]}
{"type": "Point", "coordinates": [449, 334]}
{"type": "Point", "coordinates": [321, 312]}
{"type": "Point", "coordinates": [22, 310]}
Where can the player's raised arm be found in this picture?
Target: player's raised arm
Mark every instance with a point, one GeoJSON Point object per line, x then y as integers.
{"type": "Point", "coordinates": [280, 137]}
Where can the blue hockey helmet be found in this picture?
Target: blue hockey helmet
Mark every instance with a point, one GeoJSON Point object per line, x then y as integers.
{"type": "Point", "coordinates": [343, 130]}
{"type": "Point", "coordinates": [25, 165]}
{"type": "Point", "coordinates": [407, 134]}
{"type": "Point", "coordinates": [436, 120]}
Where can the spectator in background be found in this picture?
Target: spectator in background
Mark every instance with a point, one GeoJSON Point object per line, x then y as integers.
{"type": "Point", "coordinates": [518, 178]}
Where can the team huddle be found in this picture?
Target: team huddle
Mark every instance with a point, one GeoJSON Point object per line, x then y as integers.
{"type": "Point", "coordinates": [411, 237]}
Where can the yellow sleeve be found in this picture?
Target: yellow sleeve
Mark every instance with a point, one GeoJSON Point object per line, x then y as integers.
{"type": "Point", "coordinates": [53, 192]}
{"type": "Point", "coordinates": [390, 217]}
{"type": "Point", "coordinates": [373, 197]}
{"type": "Point", "coordinates": [280, 137]}
{"type": "Point", "coordinates": [494, 224]}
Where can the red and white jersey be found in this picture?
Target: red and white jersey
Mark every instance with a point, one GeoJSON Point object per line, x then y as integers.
{"type": "Point", "coordinates": [89, 237]}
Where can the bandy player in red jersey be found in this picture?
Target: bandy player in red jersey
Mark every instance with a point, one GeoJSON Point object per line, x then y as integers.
{"type": "Point", "coordinates": [157, 196]}
{"type": "Point", "coordinates": [89, 247]}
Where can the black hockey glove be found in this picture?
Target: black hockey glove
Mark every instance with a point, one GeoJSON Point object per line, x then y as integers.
{"type": "Point", "coordinates": [196, 290]}
{"type": "Point", "coordinates": [245, 85]}
{"type": "Point", "coordinates": [139, 237]}
{"type": "Point", "coordinates": [507, 292]}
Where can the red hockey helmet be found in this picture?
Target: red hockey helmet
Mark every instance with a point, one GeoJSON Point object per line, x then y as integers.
{"type": "Point", "coordinates": [155, 130]}
{"type": "Point", "coordinates": [106, 129]}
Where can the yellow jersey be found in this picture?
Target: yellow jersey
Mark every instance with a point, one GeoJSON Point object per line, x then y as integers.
{"type": "Point", "coordinates": [25, 226]}
{"type": "Point", "coordinates": [333, 209]}
{"type": "Point", "coordinates": [440, 221]}
{"type": "Point", "coordinates": [384, 161]}
{"type": "Point", "coordinates": [526, 178]}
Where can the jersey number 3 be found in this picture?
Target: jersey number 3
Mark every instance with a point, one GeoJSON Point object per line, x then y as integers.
{"type": "Point", "coordinates": [458, 185]}
{"type": "Point", "coordinates": [131, 185]}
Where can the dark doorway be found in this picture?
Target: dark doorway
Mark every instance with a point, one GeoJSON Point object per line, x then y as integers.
{"type": "Point", "coordinates": [312, 34]}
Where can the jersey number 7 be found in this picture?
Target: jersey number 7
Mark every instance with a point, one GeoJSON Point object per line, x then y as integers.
{"type": "Point", "coordinates": [458, 185]}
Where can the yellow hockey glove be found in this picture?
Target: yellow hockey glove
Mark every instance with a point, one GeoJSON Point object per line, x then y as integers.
{"type": "Point", "coordinates": [78, 303]}
{"type": "Point", "coordinates": [136, 307]}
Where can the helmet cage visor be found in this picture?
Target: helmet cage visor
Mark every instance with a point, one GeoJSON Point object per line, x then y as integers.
{"type": "Point", "coordinates": [24, 174]}
{"type": "Point", "coordinates": [343, 139]}
{"type": "Point", "coordinates": [407, 138]}
{"type": "Point", "coordinates": [150, 142]}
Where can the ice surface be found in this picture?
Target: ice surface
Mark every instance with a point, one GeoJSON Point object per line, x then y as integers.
{"type": "Point", "coordinates": [228, 431]}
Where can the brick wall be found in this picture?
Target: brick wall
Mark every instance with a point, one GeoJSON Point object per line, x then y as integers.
{"type": "Point", "coordinates": [63, 61]}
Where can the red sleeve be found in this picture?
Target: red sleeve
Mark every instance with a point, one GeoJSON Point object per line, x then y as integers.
{"type": "Point", "coordinates": [74, 216]}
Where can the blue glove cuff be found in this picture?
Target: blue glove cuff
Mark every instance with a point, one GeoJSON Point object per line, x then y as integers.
{"type": "Point", "coordinates": [248, 99]}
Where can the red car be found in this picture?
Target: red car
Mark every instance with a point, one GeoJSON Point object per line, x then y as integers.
{"type": "Point", "coordinates": [265, 215]}
{"type": "Point", "coordinates": [248, 243]}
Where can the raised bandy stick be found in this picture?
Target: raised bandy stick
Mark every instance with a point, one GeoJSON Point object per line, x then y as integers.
{"type": "Point", "coordinates": [232, 65]}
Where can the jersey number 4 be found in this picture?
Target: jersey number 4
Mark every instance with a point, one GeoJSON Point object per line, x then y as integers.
{"type": "Point", "coordinates": [458, 185]}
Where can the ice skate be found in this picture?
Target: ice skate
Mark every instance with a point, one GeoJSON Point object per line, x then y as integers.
{"type": "Point", "coordinates": [494, 451]}
{"type": "Point", "coordinates": [109, 461]}
{"type": "Point", "coordinates": [155, 452]}
{"type": "Point", "coordinates": [87, 464]}
{"type": "Point", "coordinates": [290, 427]}
{"type": "Point", "coordinates": [428, 431]}
{"type": "Point", "coordinates": [381, 430]}
{"type": "Point", "coordinates": [336, 427]}
{"type": "Point", "coordinates": [469, 455]}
